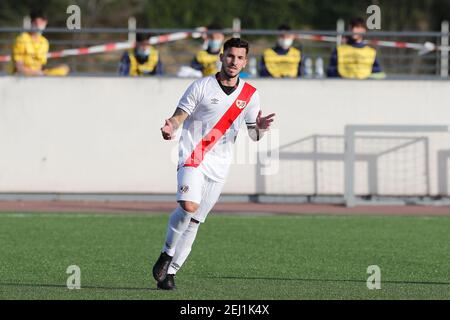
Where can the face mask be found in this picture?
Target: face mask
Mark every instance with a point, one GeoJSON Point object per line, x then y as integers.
{"type": "Point", "coordinates": [285, 43]}
{"type": "Point", "coordinates": [143, 53]}
{"type": "Point", "coordinates": [38, 29]}
{"type": "Point", "coordinates": [214, 45]}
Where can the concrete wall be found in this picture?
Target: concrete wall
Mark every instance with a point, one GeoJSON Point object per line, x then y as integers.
{"type": "Point", "coordinates": [102, 134]}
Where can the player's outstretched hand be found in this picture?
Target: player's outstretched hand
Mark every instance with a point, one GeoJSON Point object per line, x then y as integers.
{"type": "Point", "coordinates": [167, 130]}
{"type": "Point", "coordinates": [263, 123]}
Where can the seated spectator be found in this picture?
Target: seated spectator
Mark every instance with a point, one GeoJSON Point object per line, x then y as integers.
{"type": "Point", "coordinates": [354, 59]}
{"type": "Point", "coordinates": [30, 50]}
{"type": "Point", "coordinates": [143, 60]}
{"type": "Point", "coordinates": [207, 61]}
{"type": "Point", "coordinates": [284, 60]}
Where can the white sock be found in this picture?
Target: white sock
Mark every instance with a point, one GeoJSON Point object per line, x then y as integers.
{"type": "Point", "coordinates": [178, 223]}
{"type": "Point", "coordinates": [184, 247]}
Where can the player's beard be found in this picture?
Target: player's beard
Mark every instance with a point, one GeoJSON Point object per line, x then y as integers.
{"type": "Point", "coordinates": [229, 76]}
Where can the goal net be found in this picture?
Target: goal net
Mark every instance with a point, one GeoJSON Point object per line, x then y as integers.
{"type": "Point", "coordinates": [408, 162]}
{"type": "Point", "coordinates": [375, 163]}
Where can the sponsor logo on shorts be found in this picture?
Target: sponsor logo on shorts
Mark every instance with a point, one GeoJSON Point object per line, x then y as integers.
{"type": "Point", "coordinates": [184, 188]}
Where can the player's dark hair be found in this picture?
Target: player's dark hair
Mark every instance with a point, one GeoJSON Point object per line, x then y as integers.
{"type": "Point", "coordinates": [284, 27]}
{"type": "Point", "coordinates": [357, 22]}
{"type": "Point", "coordinates": [214, 26]}
{"type": "Point", "coordinates": [37, 13]}
{"type": "Point", "coordinates": [236, 43]}
{"type": "Point", "coordinates": [142, 37]}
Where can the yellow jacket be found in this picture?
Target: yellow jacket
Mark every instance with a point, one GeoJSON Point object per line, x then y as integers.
{"type": "Point", "coordinates": [32, 52]}
{"type": "Point", "coordinates": [282, 65]}
{"type": "Point", "coordinates": [355, 62]}
{"type": "Point", "coordinates": [207, 62]}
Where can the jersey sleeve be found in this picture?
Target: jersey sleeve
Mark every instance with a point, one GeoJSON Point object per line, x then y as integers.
{"type": "Point", "coordinates": [252, 110]}
{"type": "Point", "coordinates": [190, 98]}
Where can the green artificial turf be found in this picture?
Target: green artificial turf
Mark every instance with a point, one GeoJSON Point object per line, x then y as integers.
{"type": "Point", "coordinates": [234, 257]}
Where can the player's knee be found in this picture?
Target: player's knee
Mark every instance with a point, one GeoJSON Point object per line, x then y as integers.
{"type": "Point", "coordinates": [189, 206]}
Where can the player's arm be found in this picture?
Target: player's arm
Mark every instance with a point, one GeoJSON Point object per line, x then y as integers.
{"type": "Point", "coordinates": [256, 130]}
{"type": "Point", "coordinates": [186, 106]}
{"type": "Point", "coordinates": [254, 133]}
{"type": "Point", "coordinates": [173, 123]}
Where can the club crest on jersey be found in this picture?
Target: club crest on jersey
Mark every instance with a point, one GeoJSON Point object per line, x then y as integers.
{"type": "Point", "coordinates": [241, 104]}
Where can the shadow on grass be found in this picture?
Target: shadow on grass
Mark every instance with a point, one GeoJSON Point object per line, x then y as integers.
{"type": "Point", "coordinates": [43, 285]}
{"type": "Point", "coordinates": [325, 280]}
{"type": "Point", "coordinates": [46, 285]}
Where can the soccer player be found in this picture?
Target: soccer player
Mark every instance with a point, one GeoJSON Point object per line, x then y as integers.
{"type": "Point", "coordinates": [210, 113]}
{"type": "Point", "coordinates": [355, 59]}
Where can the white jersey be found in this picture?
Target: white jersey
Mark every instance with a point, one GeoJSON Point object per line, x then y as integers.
{"type": "Point", "coordinates": [207, 105]}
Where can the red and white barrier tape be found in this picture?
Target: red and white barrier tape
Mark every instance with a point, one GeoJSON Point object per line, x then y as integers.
{"type": "Point", "coordinates": [5, 58]}
{"type": "Point", "coordinates": [422, 47]}
{"type": "Point", "coordinates": [110, 47]}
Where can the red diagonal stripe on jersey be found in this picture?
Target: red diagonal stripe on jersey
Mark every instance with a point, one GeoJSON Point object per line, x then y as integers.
{"type": "Point", "coordinates": [225, 122]}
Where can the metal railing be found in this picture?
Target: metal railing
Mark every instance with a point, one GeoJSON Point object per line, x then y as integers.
{"type": "Point", "coordinates": [409, 55]}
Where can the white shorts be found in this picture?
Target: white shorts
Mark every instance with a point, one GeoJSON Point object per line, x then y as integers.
{"type": "Point", "coordinates": [194, 186]}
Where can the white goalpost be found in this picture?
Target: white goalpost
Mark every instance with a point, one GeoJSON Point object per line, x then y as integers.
{"type": "Point", "coordinates": [368, 164]}
{"type": "Point", "coordinates": [409, 164]}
